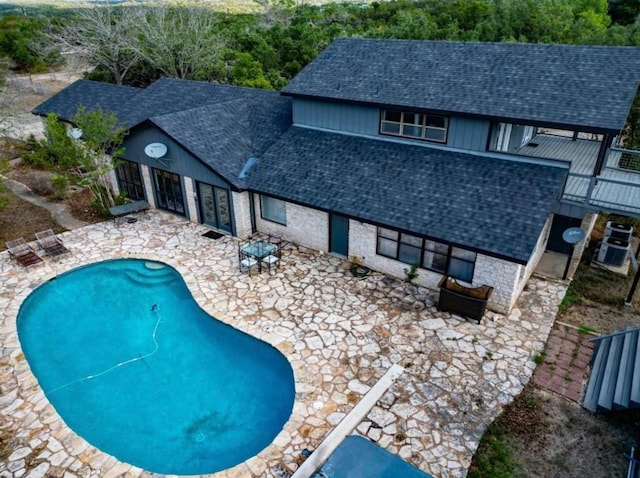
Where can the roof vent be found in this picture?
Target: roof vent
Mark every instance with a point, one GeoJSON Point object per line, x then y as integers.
{"type": "Point", "coordinates": [247, 167]}
{"type": "Point", "coordinates": [376, 93]}
{"type": "Point", "coordinates": [339, 88]}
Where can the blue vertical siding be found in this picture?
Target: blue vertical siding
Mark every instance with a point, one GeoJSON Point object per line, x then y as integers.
{"type": "Point", "coordinates": [467, 133]}
{"type": "Point", "coordinates": [336, 116]}
{"type": "Point", "coordinates": [464, 133]}
{"type": "Point", "coordinates": [177, 160]}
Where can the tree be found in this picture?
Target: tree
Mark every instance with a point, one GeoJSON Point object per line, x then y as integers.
{"type": "Point", "coordinates": [180, 42]}
{"type": "Point", "coordinates": [87, 160]}
{"type": "Point", "coordinates": [24, 42]}
{"type": "Point", "coordinates": [107, 35]}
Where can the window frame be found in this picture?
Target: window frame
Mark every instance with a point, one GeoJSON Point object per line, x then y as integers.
{"type": "Point", "coordinates": [125, 172]}
{"type": "Point", "coordinates": [169, 192]}
{"type": "Point", "coordinates": [276, 221]}
{"type": "Point", "coordinates": [423, 125]}
{"type": "Point", "coordinates": [454, 255]}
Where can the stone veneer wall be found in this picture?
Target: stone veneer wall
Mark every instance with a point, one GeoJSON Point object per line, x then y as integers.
{"type": "Point", "coordinates": [305, 226]}
{"type": "Point", "coordinates": [190, 196]}
{"type": "Point", "coordinates": [310, 228]}
{"type": "Point", "coordinates": [241, 213]}
{"type": "Point", "coordinates": [587, 225]}
{"type": "Point", "coordinates": [148, 187]}
{"type": "Point", "coordinates": [525, 272]}
{"type": "Point", "coordinates": [113, 179]}
{"type": "Point", "coordinates": [500, 274]}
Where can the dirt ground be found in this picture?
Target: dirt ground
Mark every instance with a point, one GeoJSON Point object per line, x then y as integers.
{"type": "Point", "coordinates": [545, 435]}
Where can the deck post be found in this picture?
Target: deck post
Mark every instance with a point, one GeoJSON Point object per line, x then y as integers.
{"type": "Point", "coordinates": [602, 154]}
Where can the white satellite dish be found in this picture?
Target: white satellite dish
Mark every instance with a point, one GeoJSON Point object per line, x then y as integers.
{"type": "Point", "coordinates": [155, 150]}
{"type": "Point", "coordinates": [75, 133]}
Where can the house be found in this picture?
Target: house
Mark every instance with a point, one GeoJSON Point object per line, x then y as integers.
{"type": "Point", "coordinates": [469, 159]}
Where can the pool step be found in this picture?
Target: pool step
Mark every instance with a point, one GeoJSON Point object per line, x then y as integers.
{"type": "Point", "coordinates": [152, 276]}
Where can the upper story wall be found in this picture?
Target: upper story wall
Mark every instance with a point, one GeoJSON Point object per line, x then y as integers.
{"type": "Point", "coordinates": [463, 133]}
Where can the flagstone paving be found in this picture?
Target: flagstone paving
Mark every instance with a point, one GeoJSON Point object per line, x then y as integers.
{"type": "Point", "coordinates": [340, 334]}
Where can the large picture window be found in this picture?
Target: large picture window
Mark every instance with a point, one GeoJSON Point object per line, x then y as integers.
{"type": "Point", "coordinates": [273, 210]}
{"type": "Point", "coordinates": [428, 254]}
{"type": "Point", "coordinates": [129, 180]}
{"type": "Point", "coordinates": [426, 127]}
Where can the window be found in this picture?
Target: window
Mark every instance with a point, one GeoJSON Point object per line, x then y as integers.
{"type": "Point", "coordinates": [432, 255]}
{"type": "Point", "coordinates": [273, 210]}
{"type": "Point", "coordinates": [129, 180]}
{"type": "Point", "coordinates": [426, 127]}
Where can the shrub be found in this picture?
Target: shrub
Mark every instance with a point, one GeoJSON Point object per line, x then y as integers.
{"type": "Point", "coordinates": [60, 184]}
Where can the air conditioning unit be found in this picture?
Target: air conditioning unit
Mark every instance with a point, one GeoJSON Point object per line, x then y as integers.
{"type": "Point", "coordinates": [618, 231]}
{"type": "Point", "coordinates": [614, 252]}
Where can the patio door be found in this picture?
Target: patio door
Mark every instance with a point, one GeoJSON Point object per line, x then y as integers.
{"type": "Point", "coordinates": [215, 209]}
{"type": "Point", "coordinates": [169, 195]}
{"type": "Point", "coordinates": [339, 234]}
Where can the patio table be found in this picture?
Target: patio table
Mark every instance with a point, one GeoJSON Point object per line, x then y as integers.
{"type": "Point", "coordinates": [259, 250]}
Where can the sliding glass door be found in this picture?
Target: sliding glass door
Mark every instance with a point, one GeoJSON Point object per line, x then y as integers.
{"type": "Point", "coordinates": [169, 195]}
{"type": "Point", "coordinates": [215, 208]}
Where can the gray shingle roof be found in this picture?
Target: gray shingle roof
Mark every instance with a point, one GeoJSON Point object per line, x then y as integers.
{"type": "Point", "coordinates": [583, 86]}
{"type": "Point", "coordinates": [221, 125]}
{"type": "Point", "coordinates": [225, 135]}
{"type": "Point", "coordinates": [171, 95]}
{"type": "Point", "coordinates": [488, 204]}
{"type": "Point", "coordinates": [92, 95]}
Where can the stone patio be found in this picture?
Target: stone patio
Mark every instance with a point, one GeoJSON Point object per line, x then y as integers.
{"type": "Point", "coordinates": [340, 334]}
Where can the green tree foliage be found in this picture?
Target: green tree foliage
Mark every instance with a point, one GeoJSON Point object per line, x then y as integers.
{"type": "Point", "coordinates": [268, 48]}
{"type": "Point", "coordinates": [85, 161]}
{"type": "Point", "coordinates": [24, 42]}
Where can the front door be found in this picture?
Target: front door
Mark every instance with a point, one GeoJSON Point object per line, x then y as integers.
{"type": "Point", "coordinates": [339, 234]}
{"type": "Point", "coordinates": [214, 206]}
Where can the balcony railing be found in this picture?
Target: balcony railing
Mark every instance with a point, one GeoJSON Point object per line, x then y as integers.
{"type": "Point", "coordinates": [615, 189]}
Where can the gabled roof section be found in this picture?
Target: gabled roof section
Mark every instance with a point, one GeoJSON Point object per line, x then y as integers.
{"type": "Point", "coordinates": [171, 95]}
{"type": "Point", "coordinates": [479, 202]}
{"type": "Point", "coordinates": [93, 95]}
{"type": "Point", "coordinates": [225, 135]}
{"type": "Point", "coordinates": [565, 85]}
{"type": "Point", "coordinates": [221, 125]}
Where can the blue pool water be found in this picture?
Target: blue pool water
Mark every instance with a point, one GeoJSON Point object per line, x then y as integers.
{"type": "Point", "coordinates": [135, 367]}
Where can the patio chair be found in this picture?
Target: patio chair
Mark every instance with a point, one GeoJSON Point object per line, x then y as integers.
{"type": "Point", "coordinates": [274, 258]}
{"type": "Point", "coordinates": [23, 253]}
{"type": "Point", "coordinates": [51, 244]}
{"type": "Point", "coordinates": [246, 262]}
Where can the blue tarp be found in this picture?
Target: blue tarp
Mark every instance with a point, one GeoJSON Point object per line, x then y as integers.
{"type": "Point", "coordinates": [357, 457]}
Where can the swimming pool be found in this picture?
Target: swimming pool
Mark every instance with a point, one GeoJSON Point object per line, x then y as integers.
{"type": "Point", "coordinates": [134, 366]}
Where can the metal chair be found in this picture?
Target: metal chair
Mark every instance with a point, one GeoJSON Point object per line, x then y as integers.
{"type": "Point", "coordinates": [246, 262]}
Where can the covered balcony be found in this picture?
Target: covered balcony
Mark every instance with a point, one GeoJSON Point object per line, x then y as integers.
{"type": "Point", "coordinates": [613, 186]}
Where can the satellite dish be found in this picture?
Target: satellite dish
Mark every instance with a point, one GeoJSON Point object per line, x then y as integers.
{"type": "Point", "coordinates": [573, 235]}
{"type": "Point", "coordinates": [155, 150]}
{"type": "Point", "coordinates": [75, 133]}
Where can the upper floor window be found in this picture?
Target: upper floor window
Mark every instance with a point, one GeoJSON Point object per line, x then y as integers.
{"type": "Point", "coordinates": [432, 255]}
{"type": "Point", "coordinates": [407, 124]}
{"type": "Point", "coordinates": [274, 210]}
